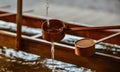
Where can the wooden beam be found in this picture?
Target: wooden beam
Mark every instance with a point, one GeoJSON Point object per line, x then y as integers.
{"type": "Point", "coordinates": [19, 24]}
{"type": "Point", "coordinates": [8, 14]}
{"type": "Point", "coordinates": [36, 22]}
{"type": "Point", "coordinates": [62, 53]}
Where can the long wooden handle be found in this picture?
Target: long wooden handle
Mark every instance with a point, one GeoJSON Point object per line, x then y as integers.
{"type": "Point", "coordinates": [93, 28]}
{"type": "Point", "coordinates": [108, 37]}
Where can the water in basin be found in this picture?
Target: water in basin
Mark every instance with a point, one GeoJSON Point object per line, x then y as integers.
{"type": "Point", "coordinates": [12, 61]}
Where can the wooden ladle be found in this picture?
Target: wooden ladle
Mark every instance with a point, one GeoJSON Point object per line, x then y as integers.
{"type": "Point", "coordinates": [86, 47]}
{"type": "Point", "coordinates": [92, 28]}
{"type": "Point", "coordinates": [56, 29]}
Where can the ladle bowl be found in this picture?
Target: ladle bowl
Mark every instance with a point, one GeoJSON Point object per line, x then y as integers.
{"type": "Point", "coordinates": [84, 47]}
{"type": "Point", "coordinates": [53, 31]}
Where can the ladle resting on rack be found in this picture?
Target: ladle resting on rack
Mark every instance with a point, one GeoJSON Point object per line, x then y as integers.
{"type": "Point", "coordinates": [92, 28]}
{"type": "Point", "coordinates": [55, 30]}
{"type": "Point", "coordinates": [86, 47]}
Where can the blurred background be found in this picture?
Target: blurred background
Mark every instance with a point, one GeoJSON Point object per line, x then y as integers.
{"type": "Point", "coordinates": [91, 12]}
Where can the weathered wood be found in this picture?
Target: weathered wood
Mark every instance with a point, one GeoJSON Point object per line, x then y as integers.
{"type": "Point", "coordinates": [41, 47]}
{"type": "Point", "coordinates": [62, 53]}
{"type": "Point", "coordinates": [66, 54]}
{"type": "Point", "coordinates": [8, 14]}
{"type": "Point", "coordinates": [36, 22]}
{"type": "Point", "coordinates": [7, 39]}
{"type": "Point", "coordinates": [19, 24]}
{"type": "Point", "coordinates": [94, 28]}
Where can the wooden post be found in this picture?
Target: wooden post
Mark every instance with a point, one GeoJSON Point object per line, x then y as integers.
{"type": "Point", "coordinates": [19, 24]}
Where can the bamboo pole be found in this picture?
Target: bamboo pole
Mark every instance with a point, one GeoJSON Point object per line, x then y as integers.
{"type": "Point", "coordinates": [19, 24]}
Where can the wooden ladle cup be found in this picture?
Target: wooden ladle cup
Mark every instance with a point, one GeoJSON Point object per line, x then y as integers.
{"type": "Point", "coordinates": [86, 47]}
{"type": "Point", "coordinates": [55, 30]}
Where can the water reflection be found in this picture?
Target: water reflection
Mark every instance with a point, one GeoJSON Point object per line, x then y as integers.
{"type": "Point", "coordinates": [66, 67]}
{"type": "Point", "coordinates": [12, 61]}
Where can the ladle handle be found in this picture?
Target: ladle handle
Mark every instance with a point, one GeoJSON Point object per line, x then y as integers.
{"type": "Point", "coordinates": [94, 28]}
{"type": "Point", "coordinates": [105, 38]}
